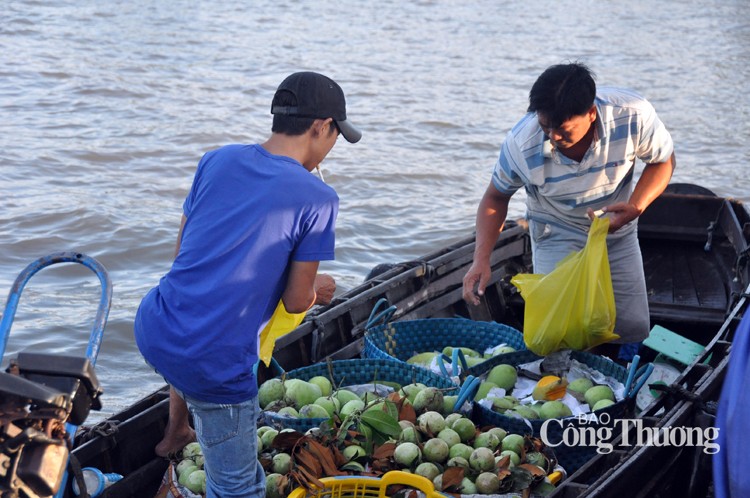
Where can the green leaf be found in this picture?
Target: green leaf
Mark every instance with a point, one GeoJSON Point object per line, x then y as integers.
{"type": "Point", "coordinates": [346, 424]}
{"type": "Point", "coordinates": [522, 478]}
{"type": "Point", "coordinates": [378, 438]}
{"type": "Point", "coordinates": [382, 422]}
{"type": "Point", "coordinates": [366, 431]}
{"type": "Point", "coordinates": [385, 406]}
{"type": "Point", "coordinates": [391, 409]}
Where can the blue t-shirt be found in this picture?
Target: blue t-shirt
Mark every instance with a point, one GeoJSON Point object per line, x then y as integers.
{"type": "Point", "coordinates": [249, 214]}
{"type": "Point", "coordinates": [730, 459]}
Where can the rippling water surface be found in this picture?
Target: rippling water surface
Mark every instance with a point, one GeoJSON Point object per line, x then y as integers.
{"type": "Point", "coordinates": [107, 107]}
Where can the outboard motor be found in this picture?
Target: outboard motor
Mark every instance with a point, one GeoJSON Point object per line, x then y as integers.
{"type": "Point", "coordinates": [45, 397]}
{"type": "Point", "coordinates": [41, 396]}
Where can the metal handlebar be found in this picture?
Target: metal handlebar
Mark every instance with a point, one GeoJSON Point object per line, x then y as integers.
{"type": "Point", "coordinates": [11, 305]}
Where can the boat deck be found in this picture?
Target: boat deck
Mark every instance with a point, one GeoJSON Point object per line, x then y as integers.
{"type": "Point", "coordinates": [691, 270]}
{"type": "Point", "coordinates": [677, 280]}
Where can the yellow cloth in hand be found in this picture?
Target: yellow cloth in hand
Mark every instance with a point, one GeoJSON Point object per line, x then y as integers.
{"type": "Point", "coordinates": [282, 322]}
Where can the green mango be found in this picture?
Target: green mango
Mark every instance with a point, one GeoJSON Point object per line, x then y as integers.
{"type": "Point", "coordinates": [422, 359]}
{"type": "Point", "coordinates": [448, 351]}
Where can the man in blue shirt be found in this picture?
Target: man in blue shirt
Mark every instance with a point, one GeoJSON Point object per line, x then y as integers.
{"type": "Point", "coordinates": [731, 479]}
{"type": "Point", "coordinates": [255, 226]}
{"type": "Point", "coordinates": [574, 154]}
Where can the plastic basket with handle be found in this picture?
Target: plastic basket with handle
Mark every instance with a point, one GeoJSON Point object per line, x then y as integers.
{"type": "Point", "coordinates": [367, 487]}
{"type": "Point", "coordinates": [571, 457]}
{"type": "Point", "coordinates": [402, 340]}
{"type": "Point", "coordinates": [358, 371]}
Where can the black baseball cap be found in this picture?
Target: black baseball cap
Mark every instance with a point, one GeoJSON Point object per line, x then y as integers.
{"type": "Point", "coordinates": [318, 97]}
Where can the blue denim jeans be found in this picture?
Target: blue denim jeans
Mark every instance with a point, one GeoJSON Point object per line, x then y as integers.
{"type": "Point", "coordinates": [228, 437]}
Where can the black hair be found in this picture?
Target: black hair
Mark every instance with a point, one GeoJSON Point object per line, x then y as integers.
{"type": "Point", "coordinates": [563, 91]}
{"type": "Point", "coordinates": [291, 125]}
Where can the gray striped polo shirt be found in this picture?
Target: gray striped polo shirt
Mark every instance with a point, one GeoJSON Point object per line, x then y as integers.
{"type": "Point", "coordinates": [559, 189]}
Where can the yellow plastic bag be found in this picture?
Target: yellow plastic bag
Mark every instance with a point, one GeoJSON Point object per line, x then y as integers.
{"type": "Point", "coordinates": [573, 306]}
{"type": "Point", "coordinates": [282, 322]}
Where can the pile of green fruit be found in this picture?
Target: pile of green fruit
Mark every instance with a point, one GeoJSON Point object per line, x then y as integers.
{"type": "Point", "coordinates": [545, 399]}
{"type": "Point", "coordinates": [461, 458]}
{"type": "Point", "coordinates": [413, 429]}
{"type": "Point", "coordinates": [189, 469]}
{"type": "Point", "coordinates": [316, 397]}
{"type": "Point", "coordinates": [471, 356]}
{"type": "Point", "coordinates": [597, 396]}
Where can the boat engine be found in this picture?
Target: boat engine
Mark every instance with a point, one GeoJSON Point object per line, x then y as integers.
{"type": "Point", "coordinates": [43, 398]}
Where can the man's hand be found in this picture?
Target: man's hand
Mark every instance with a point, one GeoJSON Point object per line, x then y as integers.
{"type": "Point", "coordinates": [619, 214]}
{"type": "Point", "coordinates": [475, 282]}
{"type": "Point", "coordinates": [325, 286]}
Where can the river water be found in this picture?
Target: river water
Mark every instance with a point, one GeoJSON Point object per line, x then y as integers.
{"type": "Point", "coordinates": [107, 107]}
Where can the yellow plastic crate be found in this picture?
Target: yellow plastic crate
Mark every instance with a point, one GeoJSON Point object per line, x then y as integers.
{"type": "Point", "coordinates": [368, 487]}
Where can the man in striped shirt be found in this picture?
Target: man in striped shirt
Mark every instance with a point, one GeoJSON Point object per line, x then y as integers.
{"type": "Point", "coordinates": [574, 154]}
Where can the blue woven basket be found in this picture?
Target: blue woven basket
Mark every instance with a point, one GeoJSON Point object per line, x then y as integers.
{"type": "Point", "coordinates": [570, 457]}
{"type": "Point", "coordinates": [402, 340]}
{"type": "Point", "coordinates": [354, 372]}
